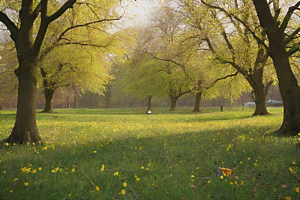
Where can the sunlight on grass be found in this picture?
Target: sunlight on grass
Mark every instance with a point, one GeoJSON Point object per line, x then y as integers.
{"type": "Point", "coordinates": [125, 154]}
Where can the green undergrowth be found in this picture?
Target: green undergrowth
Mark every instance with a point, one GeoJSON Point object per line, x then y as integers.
{"type": "Point", "coordinates": [126, 154]}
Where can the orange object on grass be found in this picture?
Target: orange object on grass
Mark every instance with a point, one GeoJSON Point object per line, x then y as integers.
{"type": "Point", "coordinates": [226, 171]}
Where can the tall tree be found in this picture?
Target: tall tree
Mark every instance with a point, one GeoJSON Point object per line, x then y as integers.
{"type": "Point", "coordinates": [279, 47]}
{"type": "Point", "coordinates": [233, 44]}
{"type": "Point", "coordinates": [28, 45]}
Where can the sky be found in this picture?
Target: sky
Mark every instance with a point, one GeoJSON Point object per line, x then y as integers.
{"type": "Point", "coordinates": [138, 12]}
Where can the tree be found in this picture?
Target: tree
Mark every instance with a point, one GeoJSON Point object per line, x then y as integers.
{"type": "Point", "coordinates": [280, 46]}
{"type": "Point", "coordinates": [233, 44]}
{"type": "Point", "coordinates": [28, 46]}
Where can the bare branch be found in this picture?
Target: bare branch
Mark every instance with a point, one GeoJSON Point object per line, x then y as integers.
{"type": "Point", "coordinates": [291, 37]}
{"type": "Point", "coordinates": [225, 77]}
{"type": "Point", "coordinates": [288, 16]}
{"type": "Point", "coordinates": [63, 8]}
{"type": "Point", "coordinates": [10, 26]}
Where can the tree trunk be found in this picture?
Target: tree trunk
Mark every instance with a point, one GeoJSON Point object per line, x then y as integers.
{"type": "Point", "coordinates": [25, 129]}
{"type": "Point", "coordinates": [289, 89]}
{"type": "Point", "coordinates": [173, 103]}
{"type": "Point", "coordinates": [149, 103]}
{"type": "Point", "coordinates": [198, 101]}
{"type": "Point", "coordinates": [48, 93]}
{"type": "Point", "coordinates": [260, 102]}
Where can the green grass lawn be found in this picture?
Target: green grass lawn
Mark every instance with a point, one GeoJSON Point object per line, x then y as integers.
{"type": "Point", "coordinates": [126, 154]}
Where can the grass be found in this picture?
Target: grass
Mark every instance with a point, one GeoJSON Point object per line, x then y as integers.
{"type": "Point", "coordinates": [126, 154]}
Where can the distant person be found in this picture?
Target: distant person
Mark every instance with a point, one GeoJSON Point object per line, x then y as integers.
{"type": "Point", "coordinates": [149, 112]}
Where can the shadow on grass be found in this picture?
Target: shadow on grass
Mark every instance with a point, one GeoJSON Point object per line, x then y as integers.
{"type": "Point", "coordinates": [165, 164]}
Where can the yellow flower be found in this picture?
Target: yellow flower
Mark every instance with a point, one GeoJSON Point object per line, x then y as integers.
{"type": "Point", "coordinates": [125, 184]}
{"type": "Point", "coordinates": [297, 189]}
{"type": "Point", "coordinates": [248, 158]}
{"type": "Point", "coordinates": [231, 183]}
{"type": "Point", "coordinates": [221, 177]}
{"type": "Point", "coordinates": [116, 173]}
{"type": "Point", "coordinates": [208, 182]}
{"type": "Point", "coordinates": [95, 151]}
{"type": "Point", "coordinates": [26, 184]}
{"type": "Point", "coordinates": [137, 179]}
{"type": "Point", "coordinates": [292, 171]}
{"type": "Point", "coordinates": [293, 163]}
{"type": "Point", "coordinates": [4, 172]}
{"type": "Point", "coordinates": [142, 167]}
{"type": "Point", "coordinates": [288, 198]}
{"type": "Point", "coordinates": [70, 194]}
{"type": "Point", "coordinates": [97, 188]}
{"type": "Point", "coordinates": [123, 192]}
{"type": "Point", "coordinates": [40, 169]}
{"type": "Point", "coordinates": [192, 176]}
{"type": "Point", "coordinates": [73, 170]}
{"type": "Point", "coordinates": [16, 179]}
{"type": "Point", "coordinates": [33, 171]}
{"type": "Point", "coordinates": [241, 162]}
{"type": "Point", "coordinates": [11, 191]}
{"type": "Point", "coordinates": [255, 164]}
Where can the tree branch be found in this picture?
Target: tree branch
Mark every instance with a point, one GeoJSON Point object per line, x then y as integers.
{"type": "Point", "coordinates": [10, 26]}
{"type": "Point", "coordinates": [291, 37]}
{"type": "Point", "coordinates": [36, 12]}
{"type": "Point", "coordinates": [230, 75]}
{"type": "Point", "coordinates": [288, 16]}
{"type": "Point", "coordinates": [59, 12]}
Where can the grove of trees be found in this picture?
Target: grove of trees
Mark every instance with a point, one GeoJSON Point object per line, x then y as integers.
{"type": "Point", "coordinates": [201, 47]}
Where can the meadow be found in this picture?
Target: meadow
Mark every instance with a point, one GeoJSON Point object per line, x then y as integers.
{"type": "Point", "coordinates": [126, 154]}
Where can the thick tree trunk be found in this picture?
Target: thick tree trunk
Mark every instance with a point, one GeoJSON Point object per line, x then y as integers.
{"type": "Point", "coordinates": [260, 103]}
{"type": "Point", "coordinates": [149, 103]}
{"type": "Point", "coordinates": [25, 129]}
{"type": "Point", "coordinates": [289, 89]}
{"type": "Point", "coordinates": [48, 93]}
{"type": "Point", "coordinates": [198, 101]}
{"type": "Point", "coordinates": [173, 103]}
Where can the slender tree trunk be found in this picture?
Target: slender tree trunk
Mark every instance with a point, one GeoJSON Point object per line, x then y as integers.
{"type": "Point", "coordinates": [149, 103]}
{"type": "Point", "coordinates": [48, 93]}
{"type": "Point", "coordinates": [25, 129]}
{"type": "Point", "coordinates": [198, 101]}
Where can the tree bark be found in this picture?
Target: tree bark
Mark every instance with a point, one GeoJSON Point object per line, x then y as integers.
{"type": "Point", "coordinates": [48, 93]}
{"type": "Point", "coordinates": [25, 129]}
{"type": "Point", "coordinates": [173, 103]}
{"type": "Point", "coordinates": [197, 102]}
{"type": "Point", "coordinates": [149, 103]}
{"type": "Point", "coordinates": [289, 89]}
{"type": "Point", "coordinates": [260, 102]}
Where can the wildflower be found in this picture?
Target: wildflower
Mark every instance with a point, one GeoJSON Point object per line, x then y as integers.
{"type": "Point", "coordinates": [97, 188]}
{"type": "Point", "coordinates": [293, 163]}
{"type": "Point", "coordinates": [11, 191]}
{"type": "Point", "coordinates": [40, 169]}
{"type": "Point", "coordinates": [16, 179]}
{"type": "Point", "coordinates": [192, 176]}
{"type": "Point", "coordinates": [125, 184]}
{"type": "Point", "coordinates": [95, 151]}
{"type": "Point", "coordinates": [241, 162]}
{"type": "Point", "coordinates": [208, 182]}
{"type": "Point", "coordinates": [142, 167]}
{"type": "Point", "coordinates": [26, 184]}
{"type": "Point", "coordinates": [123, 192]}
{"type": "Point", "coordinates": [33, 171]}
{"type": "Point", "coordinates": [297, 189]}
{"type": "Point", "coordinates": [231, 183]}
{"type": "Point", "coordinates": [221, 177]}
{"type": "Point", "coordinates": [4, 172]}
{"type": "Point", "coordinates": [255, 164]}
{"type": "Point", "coordinates": [116, 173]}
{"type": "Point", "coordinates": [248, 158]}
{"type": "Point", "coordinates": [137, 179]}
{"type": "Point", "coordinates": [292, 171]}
{"type": "Point", "coordinates": [73, 170]}
{"type": "Point", "coordinates": [288, 198]}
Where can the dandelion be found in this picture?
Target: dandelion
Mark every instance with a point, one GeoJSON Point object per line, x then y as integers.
{"type": "Point", "coordinates": [11, 191]}
{"type": "Point", "coordinates": [4, 172]}
{"type": "Point", "coordinates": [33, 171]}
{"type": "Point", "coordinates": [297, 189]}
{"type": "Point", "coordinates": [95, 151]}
{"type": "Point", "coordinates": [116, 174]}
{"type": "Point", "coordinates": [248, 158]}
{"type": "Point", "coordinates": [221, 177]}
{"type": "Point", "coordinates": [73, 170]}
{"type": "Point", "coordinates": [208, 182]}
{"type": "Point", "coordinates": [26, 184]}
{"type": "Point", "coordinates": [192, 176]}
{"type": "Point", "coordinates": [241, 162]}
{"type": "Point", "coordinates": [231, 183]}
{"type": "Point", "coordinates": [294, 163]}
{"type": "Point", "coordinates": [137, 179]}
{"type": "Point", "coordinates": [288, 198]}
{"type": "Point", "coordinates": [125, 184]}
{"type": "Point", "coordinates": [123, 192]}
{"type": "Point", "coordinates": [142, 167]}
{"type": "Point", "coordinates": [16, 179]}
{"type": "Point", "coordinates": [254, 164]}
{"type": "Point", "coordinates": [40, 169]}
{"type": "Point", "coordinates": [97, 188]}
